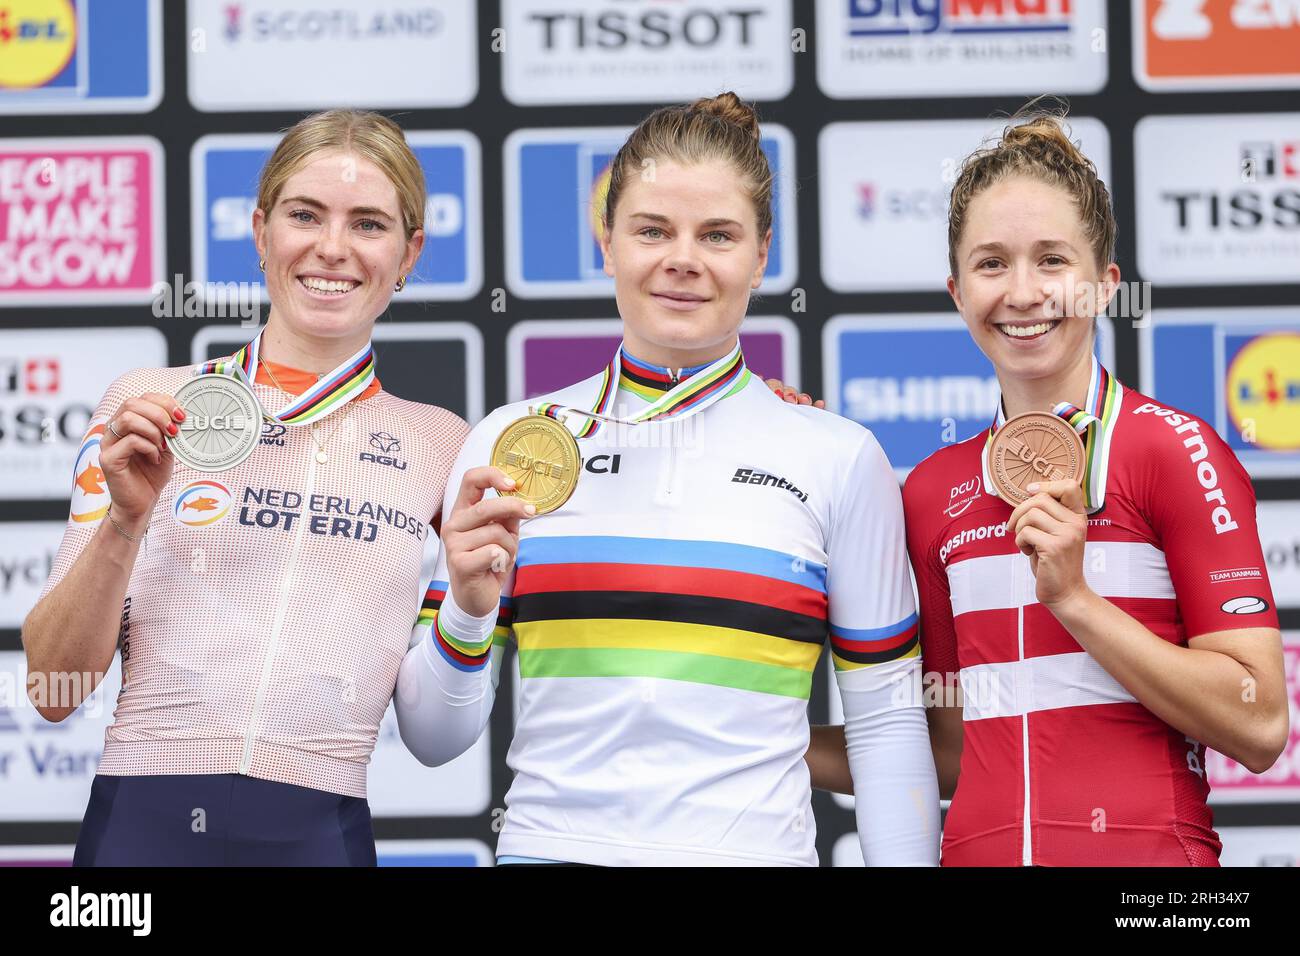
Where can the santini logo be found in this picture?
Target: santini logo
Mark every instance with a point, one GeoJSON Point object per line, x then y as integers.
{"type": "Point", "coordinates": [748, 476]}
{"type": "Point", "coordinates": [103, 909]}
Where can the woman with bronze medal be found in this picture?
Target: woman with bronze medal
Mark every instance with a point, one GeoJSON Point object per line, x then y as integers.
{"type": "Point", "coordinates": [261, 589]}
{"type": "Point", "coordinates": [1101, 592]}
{"type": "Point", "coordinates": [688, 542]}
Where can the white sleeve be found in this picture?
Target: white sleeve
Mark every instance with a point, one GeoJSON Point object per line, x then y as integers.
{"type": "Point", "coordinates": [447, 681]}
{"type": "Point", "coordinates": [877, 662]}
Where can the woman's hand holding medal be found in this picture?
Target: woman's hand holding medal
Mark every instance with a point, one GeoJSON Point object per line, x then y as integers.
{"type": "Point", "coordinates": [482, 538]}
{"type": "Point", "coordinates": [134, 457]}
{"type": "Point", "coordinates": [1051, 527]}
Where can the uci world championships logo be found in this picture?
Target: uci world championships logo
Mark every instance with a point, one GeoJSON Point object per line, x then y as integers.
{"type": "Point", "coordinates": [1263, 391]}
{"type": "Point", "coordinates": [37, 41]}
{"type": "Point", "coordinates": [201, 503]}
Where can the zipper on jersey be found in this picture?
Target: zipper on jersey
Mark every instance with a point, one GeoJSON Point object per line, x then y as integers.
{"type": "Point", "coordinates": [670, 470]}
{"type": "Point", "coordinates": [287, 583]}
{"type": "Point", "coordinates": [1027, 849]}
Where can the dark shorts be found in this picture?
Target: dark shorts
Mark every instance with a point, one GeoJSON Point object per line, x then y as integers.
{"type": "Point", "coordinates": [221, 820]}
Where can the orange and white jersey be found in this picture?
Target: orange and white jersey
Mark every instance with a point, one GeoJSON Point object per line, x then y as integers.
{"type": "Point", "coordinates": [271, 605]}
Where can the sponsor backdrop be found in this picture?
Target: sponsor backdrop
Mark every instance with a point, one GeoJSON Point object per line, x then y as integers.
{"type": "Point", "coordinates": [133, 137]}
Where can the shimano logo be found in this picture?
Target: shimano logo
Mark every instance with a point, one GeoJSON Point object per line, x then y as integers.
{"type": "Point", "coordinates": [920, 398]}
{"type": "Point", "coordinates": [1206, 475]}
{"type": "Point", "coordinates": [748, 476]}
{"type": "Point", "coordinates": [981, 533]}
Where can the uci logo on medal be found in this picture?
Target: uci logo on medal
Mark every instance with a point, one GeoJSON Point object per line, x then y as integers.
{"type": "Point", "coordinates": [37, 41]}
{"type": "Point", "coordinates": [201, 503]}
{"type": "Point", "coordinates": [1263, 391]}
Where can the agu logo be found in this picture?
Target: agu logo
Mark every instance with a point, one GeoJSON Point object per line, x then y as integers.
{"type": "Point", "coordinates": [37, 41]}
{"type": "Point", "coordinates": [201, 503]}
{"type": "Point", "coordinates": [89, 489]}
{"type": "Point", "coordinates": [1263, 390]}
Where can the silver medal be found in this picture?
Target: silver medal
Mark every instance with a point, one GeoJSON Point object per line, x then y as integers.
{"type": "Point", "coordinates": [223, 422]}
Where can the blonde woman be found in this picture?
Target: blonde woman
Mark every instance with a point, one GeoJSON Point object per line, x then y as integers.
{"type": "Point", "coordinates": [262, 612]}
{"type": "Point", "coordinates": [670, 614]}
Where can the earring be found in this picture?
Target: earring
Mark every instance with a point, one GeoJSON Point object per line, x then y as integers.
{"type": "Point", "coordinates": [401, 284]}
{"type": "Point", "coordinates": [261, 264]}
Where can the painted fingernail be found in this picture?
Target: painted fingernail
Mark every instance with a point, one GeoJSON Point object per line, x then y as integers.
{"type": "Point", "coordinates": [1032, 487]}
{"type": "Point", "coordinates": [172, 429]}
{"type": "Point", "coordinates": [179, 414]}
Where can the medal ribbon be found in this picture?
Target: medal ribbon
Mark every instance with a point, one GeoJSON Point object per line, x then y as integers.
{"type": "Point", "coordinates": [1094, 423]}
{"type": "Point", "coordinates": [707, 387]}
{"type": "Point", "coordinates": [332, 392]}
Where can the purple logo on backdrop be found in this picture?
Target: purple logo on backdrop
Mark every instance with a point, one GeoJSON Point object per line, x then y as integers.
{"type": "Point", "coordinates": [554, 362]}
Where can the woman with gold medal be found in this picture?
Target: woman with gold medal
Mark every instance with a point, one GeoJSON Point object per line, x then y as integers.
{"type": "Point", "coordinates": [670, 609]}
{"type": "Point", "coordinates": [1101, 598]}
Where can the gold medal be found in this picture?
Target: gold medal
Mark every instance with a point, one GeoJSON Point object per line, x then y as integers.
{"type": "Point", "coordinates": [541, 455]}
{"type": "Point", "coordinates": [1034, 446]}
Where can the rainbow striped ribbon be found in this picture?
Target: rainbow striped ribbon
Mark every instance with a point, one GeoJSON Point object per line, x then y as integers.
{"type": "Point", "coordinates": [332, 392]}
{"type": "Point", "coordinates": [710, 385]}
{"type": "Point", "coordinates": [1094, 423]}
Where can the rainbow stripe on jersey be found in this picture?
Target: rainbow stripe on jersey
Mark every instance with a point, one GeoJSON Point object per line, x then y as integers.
{"type": "Point", "coordinates": [708, 612]}
{"type": "Point", "coordinates": [461, 654]}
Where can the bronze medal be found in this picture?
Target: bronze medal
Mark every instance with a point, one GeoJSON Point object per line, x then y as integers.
{"type": "Point", "coordinates": [541, 455]}
{"type": "Point", "coordinates": [1035, 446]}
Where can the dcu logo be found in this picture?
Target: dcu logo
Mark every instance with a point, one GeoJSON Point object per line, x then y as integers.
{"type": "Point", "coordinates": [1263, 391]}
{"type": "Point", "coordinates": [201, 503]}
{"type": "Point", "coordinates": [556, 185]}
{"type": "Point", "coordinates": [869, 18]}
{"type": "Point", "coordinates": [224, 171]}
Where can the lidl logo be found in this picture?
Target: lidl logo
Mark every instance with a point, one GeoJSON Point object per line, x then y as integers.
{"type": "Point", "coordinates": [1238, 369]}
{"type": "Point", "coordinates": [201, 503]}
{"type": "Point", "coordinates": [1263, 390]}
{"type": "Point", "coordinates": [37, 41]}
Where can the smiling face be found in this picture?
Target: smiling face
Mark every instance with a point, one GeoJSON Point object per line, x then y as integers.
{"type": "Point", "coordinates": [684, 252]}
{"type": "Point", "coordinates": [1024, 273]}
{"type": "Point", "coordinates": [334, 247]}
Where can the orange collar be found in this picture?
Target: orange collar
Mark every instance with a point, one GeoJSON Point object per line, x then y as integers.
{"type": "Point", "coordinates": [298, 381]}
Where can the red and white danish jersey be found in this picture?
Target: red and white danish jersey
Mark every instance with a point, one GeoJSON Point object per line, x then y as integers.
{"type": "Point", "coordinates": [1060, 765]}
